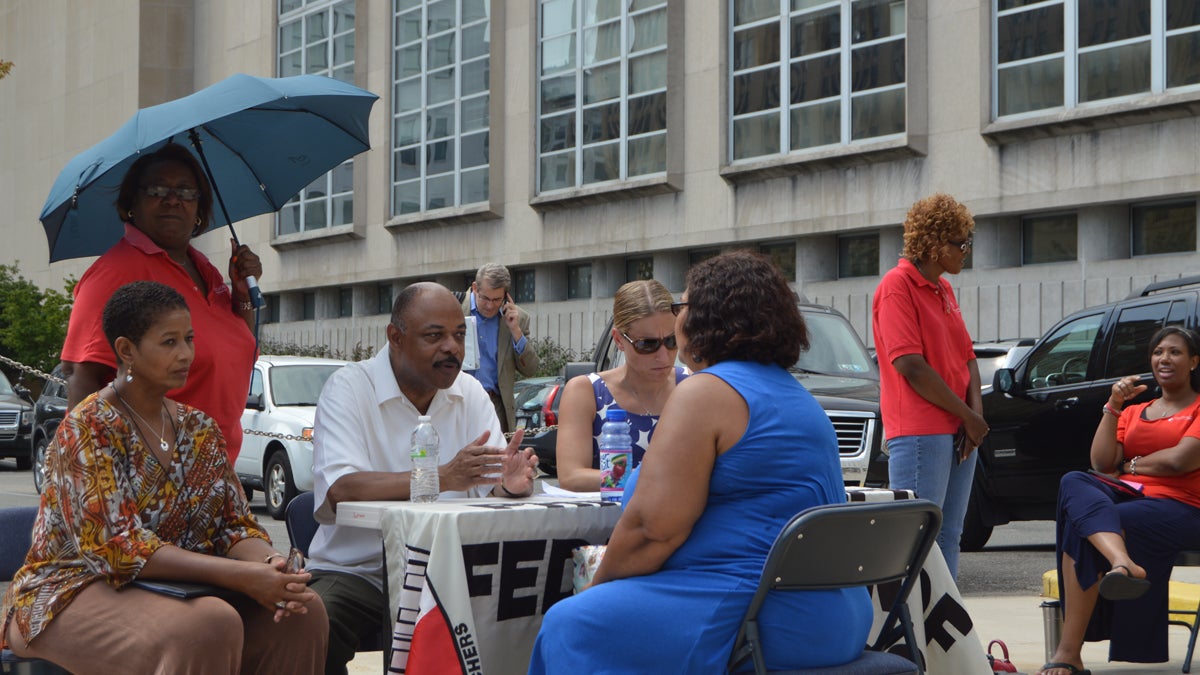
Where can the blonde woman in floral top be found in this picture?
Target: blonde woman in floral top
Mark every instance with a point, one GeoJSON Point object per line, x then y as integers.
{"type": "Point", "coordinates": [140, 488]}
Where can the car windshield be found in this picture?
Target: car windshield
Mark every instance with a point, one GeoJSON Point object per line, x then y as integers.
{"type": "Point", "coordinates": [299, 384]}
{"type": "Point", "coordinates": [834, 349]}
{"type": "Point", "coordinates": [532, 398]}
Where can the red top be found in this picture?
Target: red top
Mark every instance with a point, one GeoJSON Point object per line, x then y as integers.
{"type": "Point", "coordinates": [219, 378]}
{"type": "Point", "coordinates": [1141, 436]}
{"type": "Point", "coordinates": [912, 315]}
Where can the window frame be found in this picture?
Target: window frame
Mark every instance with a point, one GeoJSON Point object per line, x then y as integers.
{"type": "Point", "coordinates": [1134, 226]}
{"type": "Point", "coordinates": [1030, 219]}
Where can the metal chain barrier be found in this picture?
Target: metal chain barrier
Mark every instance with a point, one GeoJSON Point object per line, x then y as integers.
{"type": "Point", "coordinates": [33, 371]}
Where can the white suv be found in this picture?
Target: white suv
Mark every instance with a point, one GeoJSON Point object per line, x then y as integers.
{"type": "Point", "coordinates": [282, 401]}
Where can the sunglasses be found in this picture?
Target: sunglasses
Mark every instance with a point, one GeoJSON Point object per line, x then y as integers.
{"type": "Point", "coordinates": [162, 192]}
{"type": "Point", "coordinates": [676, 306]}
{"type": "Point", "coordinates": [963, 245]}
{"type": "Point", "coordinates": [650, 345]}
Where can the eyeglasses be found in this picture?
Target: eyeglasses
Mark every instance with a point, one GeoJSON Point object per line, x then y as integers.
{"type": "Point", "coordinates": [963, 245]}
{"type": "Point", "coordinates": [676, 306]}
{"type": "Point", "coordinates": [162, 192]}
{"type": "Point", "coordinates": [650, 345]}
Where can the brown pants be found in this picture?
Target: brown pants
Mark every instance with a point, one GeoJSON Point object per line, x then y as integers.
{"type": "Point", "coordinates": [134, 631]}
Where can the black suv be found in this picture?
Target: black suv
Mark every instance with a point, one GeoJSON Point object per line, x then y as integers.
{"type": "Point", "coordinates": [1043, 411]}
{"type": "Point", "coordinates": [48, 411]}
{"type": "Point", "coordinates": [836, 369]}
{"type": "Point", "coordinates": [16, 419]}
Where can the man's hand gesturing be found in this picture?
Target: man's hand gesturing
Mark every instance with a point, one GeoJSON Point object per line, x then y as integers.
{"type": "Point", "coordinates": [476, 464]}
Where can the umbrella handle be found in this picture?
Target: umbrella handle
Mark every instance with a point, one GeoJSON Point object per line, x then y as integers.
{"type": "Point", "coordinates": [256, 296]}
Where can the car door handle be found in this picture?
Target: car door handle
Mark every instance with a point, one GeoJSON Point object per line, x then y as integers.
{"type": "Point", "coordinates": [1064, 403]}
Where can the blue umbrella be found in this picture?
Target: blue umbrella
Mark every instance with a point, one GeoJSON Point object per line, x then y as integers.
{"type": "Point", "coordinates": [260, 139]}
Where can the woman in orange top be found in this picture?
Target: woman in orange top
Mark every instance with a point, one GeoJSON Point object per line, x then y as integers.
{"type": "Point", "coordinates": [1120, 528]}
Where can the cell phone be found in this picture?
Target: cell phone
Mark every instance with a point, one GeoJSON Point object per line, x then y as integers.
{"type": "Point", "coordinates": [961, 445]}
{"type": "Point", "coordinates": [295, 562]}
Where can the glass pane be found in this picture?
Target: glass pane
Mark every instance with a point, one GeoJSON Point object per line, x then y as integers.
{"type": "Point", "coordinates": [638, 269]}
{"type": "Point", "coordinates": [289, 219]}
{"type": "Point", "coordinates": [383, 294]}
{"type": "Point", "coordinates": [1038, 32]}
{"type": "Point", "coordinates": [579, 281]}
{"type": "Point", "coordinates": [474, 113]}
{"type": "Point", "coordinates": [1182, 13]}
{"type": "Point", "coordinates": [475, 41]}
{"type": "Point", "coordinates": [1183, 59]}
{"type": "Point", "coordinates": [638, 5]}
{"type": "Point", "coordinates": [756, 46]}
{"type": "Point", "coordinates": [816, 78]}
{"type": "Point", "coordinates": [647, 113]}
{"type": "Point", "coordinates": [317, 57]}
{"type": "Point", "coordinates": [1048, 239]}
{"type": "Point", "coordinates": [476, 77]}
{"type": "Point", "coordinates": [524, 284]}
{"type": "Point", "coordinates": [290, 37]}
{"type": "Point", "coordinates": [344, 74]}
{"type": "Point", "coordinates": [1073, 342]}
{"type": "Point", "coordinates": [879, 114]}
{"type": "Point", "coordinates": [290, 65]}
{"type": "Point", "coordinates": [558, 54]}
{"type": "Point", "coordinates": [816, 32]}
{"type": "Point", "coordinates": [874, 19]}
{"type": "Point", "coordinates": [558, 93]}
{"type": "Point", "coordinates": [745, 11]}
{"type": "Point", "coordinates": [798, 5]}
{"type": "Point", "coordinates": [878, 65]}
{"type": "Point", "coordinates": [440, 15]}
{"type": "Point", "coordinates": [405, 164]}
{"type": "Point", "coordinates": [315, 217]}
{"type": "Point", "coordinates": [407, 130]}
{"type": "Point", "coordinates": [858, 256]}
{"type": "Point", "coordinates": [408, 27]}
{"type": "Point", "coordinates": [441, 51]}
{"type": "Point", "coordinates": [316, 189]}
{"type": "Point", "coordinates": [648, 72]}
{"type": "Point", "coordinates": [647, 155]}
{"type": "Point", "coordinates": [558, 16]}
{"type": "Point", "coordinates": [1167, 228]}
{"type": "Point", "coordinates": [1102, 21]}
{"type": "Point", "coordinates": [756, 91]}
{"type": "Point", "coordinates": [316, 27]}
{"type": "Point", "coordinates": [601, 163]}
{"type": "Point", "coordinates": [345, 302]}
{"type": "Point", "coordinates": [602, 43]}
{"type": "Point", "coordinates": [439, 157]}
{"type": "Point", "coordinates": [648, 30]}
{"type": "Point", "coordinates": [440, 85]}
{"type": "Point", "coordinates": [286, 6]}
{"type": "Point", "coordinates": [557, 171]}
{"type": "Point", "coordinates": [1032, 86]}
{"type": "Point", "coordinates": [602, 84]}
{"type": "Point", "coordinates": [816, 125]}
{"type": "Point", "coordinates": [406, 198]}
{"type": "Point", "coordinates": [408, 62]}
{"type": "Point", "coordinates": [1013, 4]}
{"type": "Point", "coordinates": [343, 16]}
{"type": "Point", "coordinates": [439, 122]}
{"type": "Point", "coordinates": [343, 210]}
{"type": "Point", "coordinates": [474, 148]}
{"type": "Point", "coordinates": [602, 123]}
{"type": "Point", "coordinates": [439, 192]}
{"type": "Point", "coordinates": [784, 257]}
{"type": "Point", "coordinates": [756, 136]}
{"type": "Point", "coordinates": [475, 186]}
{"type": "Point", "coordinates": [558, 132]}
{"type": "Point", "coordinates": [309, 303]}
{"type": "Point", "coordinates": [473, 10]}
{"type": "Point", "coordinates": [1118, 71]}
{"type": "Point", "coordinates": [595, 11]}
{"type": "Point", "coordinates": [343, 177]}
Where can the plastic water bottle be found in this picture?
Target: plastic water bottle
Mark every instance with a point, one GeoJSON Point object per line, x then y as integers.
{"type": "Point", "coordinates": [616, 454]}
{"type": "Point", "coordinates": [423, 451]}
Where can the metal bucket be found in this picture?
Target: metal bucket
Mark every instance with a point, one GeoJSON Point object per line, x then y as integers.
{"type": "Point", "coordinates": [1052, 621]}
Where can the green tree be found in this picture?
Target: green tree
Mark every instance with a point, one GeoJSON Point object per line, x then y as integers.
{"type": "Point", "coordinates": [552, 356]}
{"type": "Point", "coordinates": [33, 321]}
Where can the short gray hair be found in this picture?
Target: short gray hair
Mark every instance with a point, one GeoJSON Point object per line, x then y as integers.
{"type": "Point", "coordinates": [494, 275]}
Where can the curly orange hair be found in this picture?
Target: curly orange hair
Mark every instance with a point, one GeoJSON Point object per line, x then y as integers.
{"type": "Point", "coordinates": [933, 221]}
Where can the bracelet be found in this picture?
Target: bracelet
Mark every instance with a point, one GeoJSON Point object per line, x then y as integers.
{"type": "Point", "coordinates": [507, 493]}
{"type": "Point", "coordinates": [1133, 466]}
{"type": "Point", "coordinates": [245, 306]}
{"type": "Point", "coordinates": [1111, 410]}
{"type": "Point", "coordinates": [277, 554]}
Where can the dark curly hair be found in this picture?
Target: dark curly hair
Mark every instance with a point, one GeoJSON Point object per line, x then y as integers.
{"type": "Point", "coordinates": [740, 308]}
{"type": "Point", "coordinates": [127, 194]}
{"type": "Point", "coordinates": [933, 221]}
{"type": "Point", "coordinates": [133, 308]}
{"type": "Point", "coordinates": [1190, 340]}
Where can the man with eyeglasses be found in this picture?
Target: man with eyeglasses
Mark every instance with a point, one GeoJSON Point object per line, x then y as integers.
{"type": "Point", "coordinates": [501, 329]}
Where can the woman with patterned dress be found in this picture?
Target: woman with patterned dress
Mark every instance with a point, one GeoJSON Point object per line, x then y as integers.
{"type": "Point", "coordinates": [741, 448]}
{"type": "Point", "coordinates": [141, 489]}
{"type": "Point", "coordinates": [644, 330]}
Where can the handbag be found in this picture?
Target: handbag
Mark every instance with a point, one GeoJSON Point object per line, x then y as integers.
{"type": "Point", "coordinates": [1001, 665]}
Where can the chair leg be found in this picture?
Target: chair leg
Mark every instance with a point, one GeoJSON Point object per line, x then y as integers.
{"type": "Point", "coordinates": [1187, 661]}
{"type": "Point", "coordinates": [756, 653]}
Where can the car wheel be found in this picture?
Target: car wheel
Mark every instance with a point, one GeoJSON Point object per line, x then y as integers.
{"type": "Point", "coordinates": [249, 491]}
{"type": "Point", "coordinates": [39, 464]}
{"type": "Point", "coordinates": [278, 486]}
{"type": "Point", "coordinates": [975, 533]}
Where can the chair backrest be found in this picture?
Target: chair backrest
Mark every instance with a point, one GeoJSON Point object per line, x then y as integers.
{"type": "Point", "coordinates": [301, 524]}
{"type": "Point", "coordinates": [847, 545]}
{"type": "Point", "coordinates": [16, 536]}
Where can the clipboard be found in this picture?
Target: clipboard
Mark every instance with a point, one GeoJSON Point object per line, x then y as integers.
{"type": "Point", "coordinates": [183, 590]}
{"type": "Point", "coordinates": [471, 346]}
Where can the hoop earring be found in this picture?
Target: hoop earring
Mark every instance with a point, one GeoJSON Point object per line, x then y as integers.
{"type": "Point", "coordinates": [129, 215]}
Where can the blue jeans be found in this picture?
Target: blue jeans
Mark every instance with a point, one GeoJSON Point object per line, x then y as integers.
{"type": "Point", "coordinates": [926, 465]}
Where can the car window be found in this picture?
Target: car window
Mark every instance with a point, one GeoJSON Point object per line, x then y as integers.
{"type": "Point", "coordinates": [834, 348]}
{"type": "Point", "coordinates": [256, 383]}
{"type": "Point", "coordinates": [300, 384]}
{"type": "Point", "coordinates": [5, 387]}
{"type": "Point", "coordinates": [1062, 358]}
{"type": "Point", "coordinates": [1129, 353]}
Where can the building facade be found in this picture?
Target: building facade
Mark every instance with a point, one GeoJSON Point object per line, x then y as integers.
{"type": "Point", "coordinates": [585, 143]}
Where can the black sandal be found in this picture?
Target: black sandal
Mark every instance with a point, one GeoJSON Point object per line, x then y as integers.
{"type": "Point", "coordinates": [1057, 665]}
{"type": "Point", "coordinates": [1118, 586]}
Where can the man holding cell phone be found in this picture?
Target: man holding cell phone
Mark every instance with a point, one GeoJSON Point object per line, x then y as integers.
{"type": "Point", "coordinates": [501, 329]}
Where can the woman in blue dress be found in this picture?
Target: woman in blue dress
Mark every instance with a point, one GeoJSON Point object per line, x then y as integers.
{"type": "Point", "coordinates": [644, 330]}
{"type": "Point", "coordinates": [740, 449]}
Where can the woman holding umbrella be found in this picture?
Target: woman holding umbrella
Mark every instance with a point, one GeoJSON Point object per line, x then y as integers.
{"type": "Point", "coordinates": [165, 201]}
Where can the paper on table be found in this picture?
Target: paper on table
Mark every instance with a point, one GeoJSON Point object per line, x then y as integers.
{"type": "Point", "coordinates": [555, 491]}
{"type": "Point", "coordinates": [471, 346]}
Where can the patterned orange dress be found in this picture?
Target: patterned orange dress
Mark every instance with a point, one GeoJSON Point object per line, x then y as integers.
{"type": "Point", "coordinates": [108, 505]}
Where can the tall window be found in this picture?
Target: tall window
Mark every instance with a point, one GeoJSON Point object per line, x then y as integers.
{"type": "Point", "coordinates": [812, 73]}
{"type": "Point", "coordinates": [524, 285]}
{"type": "Point", "coordinates": [345, 302]}
{"type": "Point", "coordinates": [579, 281]}
{"type": "Point", "coordinates": [1046, 239]}
{"type": "Point", "coordinates": [383, 299]}
{"type": "Point", "coordinates": [441, 78]}
{"type": "Point", "coordinates": [858, 255]}
{"type": "Point", "coordinates": [639, 269]}
{"type": "Point", "coordinates": [316, 37]}
{"type": "Point", "coordinates": [1164, 228]}
{"type": "Point", "coordinates": [783, 254]}
{"type": "Point", "coordinates": [1057, 54]}
{"type": "Point", "coordinates": [602, 91]}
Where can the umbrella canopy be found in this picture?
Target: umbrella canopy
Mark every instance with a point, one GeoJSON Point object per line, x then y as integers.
{"type": "Point", "coordinates": [263, 138]}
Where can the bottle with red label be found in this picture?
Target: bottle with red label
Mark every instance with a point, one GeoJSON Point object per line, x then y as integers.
{"type": "Point", "coordinates": [616, 454]}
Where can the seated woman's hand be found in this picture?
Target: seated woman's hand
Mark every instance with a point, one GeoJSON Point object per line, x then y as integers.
{"type": "Point", "coordinates": [274, 588]}
{"type": "Point", "coordinates": [1124, 389]}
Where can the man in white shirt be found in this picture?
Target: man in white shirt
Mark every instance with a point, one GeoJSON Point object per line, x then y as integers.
{"type": "Point", "coordinates": [365, 416]}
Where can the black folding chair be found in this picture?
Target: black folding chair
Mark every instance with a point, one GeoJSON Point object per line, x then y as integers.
{"type": "Point", "coordinates": [16, 536]}
{"type": "Point", "coordinates": [842, 546]}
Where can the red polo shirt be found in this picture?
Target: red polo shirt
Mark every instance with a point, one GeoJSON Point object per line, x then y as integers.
{"type": "Point", "coordinates": [219, 378]}
{"type": "Point", "coordinates": [912, 315]}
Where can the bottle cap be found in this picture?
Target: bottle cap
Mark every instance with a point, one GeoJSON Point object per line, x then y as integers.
{"type": "Point", "coordinates": [615, 414]}
{"type": "Point", "coordinates": [424, 418]}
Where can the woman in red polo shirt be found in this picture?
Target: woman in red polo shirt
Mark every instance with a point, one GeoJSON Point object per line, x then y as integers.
{"type": "Point", "coordinates": [929, 383]}
{"type": "Point", "coordinates": [165, 201]}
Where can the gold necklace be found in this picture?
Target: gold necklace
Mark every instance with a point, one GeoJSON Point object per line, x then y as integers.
{"type": "Point", "coordinates": [162, 432]}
